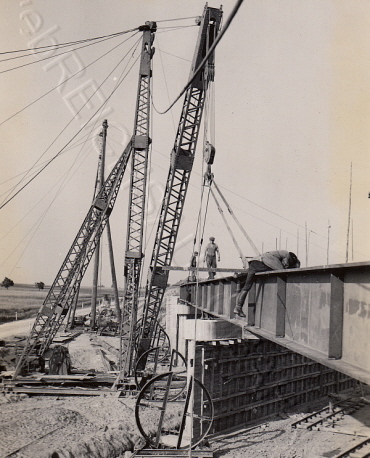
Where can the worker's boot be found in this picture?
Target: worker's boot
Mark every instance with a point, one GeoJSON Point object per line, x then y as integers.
{"type": "Point", "coordinates": [239, 311]}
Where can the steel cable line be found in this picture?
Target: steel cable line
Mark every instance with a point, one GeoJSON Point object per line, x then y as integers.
{"type": "Point", "coordinates": [84, 125]}
{"type": "Point", "coordinates": [266, 209]}
{"type": "Point", "coordinates": [42, 163]}
{"type": "Point", "coordinates": [57, 47]}
{"type": "Point", "coordinates": [248, 200]}
{"type": "Point", "coordinates": [206, 57]}
{"type": "Point", "coordinates": [47, 193]}
{"type": "Point", "coordinates": [169, 29]}
{"type": "Point", "coordinates": [70, 43]}
{"type": "Point", "coordinates": [60, 188]}
{"type": "Point", "coordinates": [167, 91]}
{"type": "Point", "coordinates": [61, 46]}
{"type": "Point", "coordinates": [253, 216]}
{"type": "Point", "coordinates": [173, 55]}
{"type": "Point", "coordinates": [256, 217]}
{"type": "Point", "coordinates": [67, 79]}
{"type": "Point", "coordinates": [38, 222]}
{"type": "Point", "coordinates": [199, 232]}
{"type": "Point", "coordinates": [53, 56]}
{"type": "Point", "coordinates": [87, 101]}
{"type": "Point", "coordinates": [178, 19]}
{"type": "Point", "coordinates": [200, 240]}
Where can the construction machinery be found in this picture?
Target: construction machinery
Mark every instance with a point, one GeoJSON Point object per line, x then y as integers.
{"type": "Point", "coordinates": [137, 198]}
{"type": "Point", "coordinates": [136, 339]}
{"type": "Point", "coordinates": [66, 285]}
{"type": "Point", "coordinates": [182, 158]}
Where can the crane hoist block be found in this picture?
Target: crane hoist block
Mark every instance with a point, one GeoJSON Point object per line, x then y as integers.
{"type": "Point", "coordinates": [182, 159]}
{"type": "Point", "coordinates": [209, 153]}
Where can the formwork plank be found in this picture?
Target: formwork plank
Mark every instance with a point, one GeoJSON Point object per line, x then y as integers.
{"type": "Point", "coordinates": [250, 381]}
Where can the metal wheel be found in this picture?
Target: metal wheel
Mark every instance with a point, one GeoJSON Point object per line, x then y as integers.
{"type": "Point", "coordinates": [159, 339]}
{"type": "Point", "coordinates": [149, 365]}
{"type": "Point", "coordinates": [178, 424]}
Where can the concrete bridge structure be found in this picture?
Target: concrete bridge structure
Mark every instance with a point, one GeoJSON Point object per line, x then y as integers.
{"type": "Point", "coordinates": [322, 313]}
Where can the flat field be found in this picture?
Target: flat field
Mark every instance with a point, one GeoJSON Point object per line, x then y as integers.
{"type": "Point", "coordinates": [24, 300]}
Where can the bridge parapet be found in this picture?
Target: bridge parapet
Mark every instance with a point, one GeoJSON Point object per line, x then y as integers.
{"type": "Point", "coordinates": [321, 312]}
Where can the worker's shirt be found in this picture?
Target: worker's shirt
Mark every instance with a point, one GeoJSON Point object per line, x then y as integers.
{"type": "Point", "coordinates": [276, 260]}
{"type": "Point", "coordinates": [211, 249]}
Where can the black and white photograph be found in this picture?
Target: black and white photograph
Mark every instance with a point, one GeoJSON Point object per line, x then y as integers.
{"type": "Point", "coordinates": [185, 229]}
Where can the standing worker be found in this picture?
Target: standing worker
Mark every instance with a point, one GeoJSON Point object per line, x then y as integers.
{"type": "Point", "coordinates": [193, 263]}
{"type": "Point", "coordinates": [271, 260]}
{"type": "Point", "coordinates": [210, 256]}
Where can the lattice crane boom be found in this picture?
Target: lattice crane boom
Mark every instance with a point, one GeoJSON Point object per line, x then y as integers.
{"type": "Point", "coordinates": [137, 199]}
{"type": "Point", "coordinates": [67, 282]}
{"type": "Point", "coordinates": [182, 158]}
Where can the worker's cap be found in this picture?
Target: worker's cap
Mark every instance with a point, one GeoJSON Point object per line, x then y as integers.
{"type": "Point", "coordinates": [212, 239]}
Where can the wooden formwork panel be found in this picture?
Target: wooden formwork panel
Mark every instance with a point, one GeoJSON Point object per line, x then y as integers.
{"type": "Point", "coordinates": [252, 380]}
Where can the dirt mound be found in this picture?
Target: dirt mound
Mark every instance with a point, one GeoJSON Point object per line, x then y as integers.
{"type": "Point", "coordinates": [68, 427]}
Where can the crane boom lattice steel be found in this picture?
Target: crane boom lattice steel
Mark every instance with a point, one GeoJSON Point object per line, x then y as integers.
{"type": "Point", "coordinates": [67, 282]}
{"type": "Point", "coordinates": [136, 212]}
{"type": "Point", "coordinates": [182, 157]}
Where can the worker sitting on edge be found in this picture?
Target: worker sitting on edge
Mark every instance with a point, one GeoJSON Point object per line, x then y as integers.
{"type": "Point", "coordinates": [271, 260]}
{"type": "Point", "coordinates": [210, 256]}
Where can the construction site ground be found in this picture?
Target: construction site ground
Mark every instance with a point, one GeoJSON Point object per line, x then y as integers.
{"type": "Point", "coordinates": [105, 426]}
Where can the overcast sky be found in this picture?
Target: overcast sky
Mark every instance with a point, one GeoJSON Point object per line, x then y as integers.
{"type": "Point", "coordinates": [292, 111]}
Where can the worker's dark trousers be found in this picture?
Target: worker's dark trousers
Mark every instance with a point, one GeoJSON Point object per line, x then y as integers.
{"type": "Point", "coordinates": [211, 262]}
{"type": "Point", "coordinates": [254, 267]}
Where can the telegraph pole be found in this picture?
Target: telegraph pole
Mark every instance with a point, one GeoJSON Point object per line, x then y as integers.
{"type": "Point", "coordinates": [349, 212]}
{"type": "Point", "coordinates": [99, 184]}
{"type": "Point", "coordinates": [327, 251]}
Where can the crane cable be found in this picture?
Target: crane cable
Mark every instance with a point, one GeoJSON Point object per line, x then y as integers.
{"type": "Point", "coordinates": [69, 43]}
{"type": "Point", "coordinates": [75, 135]}
{"type": "Point", "coordinates": [255, 249]}
{"type": "Point", "coordinates": [207, 116]}
{"type": "Point", "coordinates": [206, 57]}
{"type": "Point", "coordinates": [65, 80]}
{"type": "Point", "coordinates": [207, 84]}
{"type": "Point", "coordinates": [26, 174]}
{"type": "Point", "coordinates": [242, 257]}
